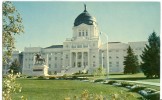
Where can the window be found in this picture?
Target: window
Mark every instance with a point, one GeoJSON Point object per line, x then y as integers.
{"type": "Point", "coordinates": [110, 57]}
{"type": "Point", "coordinates": [55, 58]}
{"type": "Point", "coordinates": [49, 65]}
{"type": "Point", "coordinates": [55, 65]}
{"type": "Point", "coordinates": [79, 46]}
{"type": "Point", "coordinates": [110, 62]}
{"type": "Point", "coordinates": [83, 33]}
{"type": "Point", "coordinates": [86, 33]}
{"type": "Point", "coordinates": [79, 56]}
{"type": "Point", "coordinates": [66, 56]}
{"type": "Point", "coordinates": [67, 46]}
{"type": "Point", "coordinates": [93, 56]}
{"type": "Point", "coordinates": [117, 57]}
{"type": "Point", "coordinates": [80, 34]}
{"type": "Point", "coordinates": [94, 64]}
{"type": "Point", "coordinates": [49, 58]}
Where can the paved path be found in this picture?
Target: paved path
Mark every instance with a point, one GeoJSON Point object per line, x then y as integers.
{"type": "Point", "coordinates": [142, 82]}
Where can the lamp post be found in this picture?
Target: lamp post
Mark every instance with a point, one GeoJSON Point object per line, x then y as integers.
{"type": "Point", "coordinates": [107, 71]}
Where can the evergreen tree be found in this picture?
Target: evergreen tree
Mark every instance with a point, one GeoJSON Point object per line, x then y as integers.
{"type": "Point", "coordinates": [15, 66]}
{"type": "Point", "coordinates": [131, 64]}
{"type": "Point", "coordinates": [151, 57]}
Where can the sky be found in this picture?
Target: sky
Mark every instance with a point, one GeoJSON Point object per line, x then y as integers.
{"type": "Point", "coordinates": [50, 23]}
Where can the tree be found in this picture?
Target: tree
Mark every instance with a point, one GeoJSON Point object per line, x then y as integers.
{"type": "Point", "coordinates": [131, 64]}
{"type": "Point", "coordinates": [151, 57]}
{"type": "Point", "coordinates": [12, 25]}
{"type": "Point", "coordinates": [15, 66]}
{"type": "Point", "coordinates": [99, 71]}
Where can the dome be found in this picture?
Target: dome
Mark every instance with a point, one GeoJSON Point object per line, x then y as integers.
{"type": "Point", "coordinates": [85, 18]}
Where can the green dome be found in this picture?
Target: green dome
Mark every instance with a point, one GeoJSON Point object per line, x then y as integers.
{"type": "Point", "coordinates": [85, 18]}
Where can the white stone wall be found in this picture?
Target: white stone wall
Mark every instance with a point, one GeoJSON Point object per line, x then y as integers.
{"type": "Point", "coordinates": [117, 51]}
{"type": "Point", "coordinates": [28, 59]}
{"type": "Point", "coordinates": [15, 55]}
{"type": "Point", "coordinates": [59, 58]}
{"type": "Point", "coordinates": [54, 59]}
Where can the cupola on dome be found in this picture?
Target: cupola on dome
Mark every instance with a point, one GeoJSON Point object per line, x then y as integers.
{"type": "Point", "coordinates": [85, 18]}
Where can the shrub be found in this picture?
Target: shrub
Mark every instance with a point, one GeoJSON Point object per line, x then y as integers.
{"type": "Point", "coordinates": [74, 77]}
{"type": "Point", "coordinates": [85, 95]}
{"type": "Point", "coordinates": [124, 84]}
{"type": "Point", "coordinates": [111, 82]}
{"type": "Point", "coordinates": [99, 80]}
{"type": "Point", "coordinates": [64, 76]}
{"type": "Point", "coordinates": [29, 77]}
{"type": "Point", "coordinates": [153, 96]}
{"type": "Point", "coordinates": [117, 84]}
{"type": "Point", "coordinates": [41, 77]}
{"type": "Point", "coordinates": [137, 88]}
{"type": "Point", "coordinates": [150, 94]}
{"type": "Point", "coordinates": [10, 86]}
{"type": "Point", "coordinates": [52, 77]}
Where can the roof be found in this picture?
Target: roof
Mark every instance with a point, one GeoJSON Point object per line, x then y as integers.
{"type": "Point", "coordinates": [85, 18]}
{"type": "Point", "coordinates": [55, 46]}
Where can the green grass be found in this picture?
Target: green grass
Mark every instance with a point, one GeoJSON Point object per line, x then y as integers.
{"type": "Point", "coordinates": [59, 89]}
{"type": "Point", "coordinates": [132, 77]}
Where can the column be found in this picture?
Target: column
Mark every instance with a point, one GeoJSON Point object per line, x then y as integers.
{"type": "Point", "coordinates": [71, 54]}
{"type": "Point", "coordinates": [82, 59]}
{"type": "Point", "coordinates": [102, 59]}
{"type": "Point", "coordinates": [33, 60]}
{"type": "Point", "coordinates": [47, 60]}
{"type": "Point", "coordinates": [88, 58]}
{"type": "Point", "coordinates": [76, 62]}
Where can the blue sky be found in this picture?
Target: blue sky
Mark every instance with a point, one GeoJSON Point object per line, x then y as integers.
{"type": "Point", "coordinates": [50, 23]}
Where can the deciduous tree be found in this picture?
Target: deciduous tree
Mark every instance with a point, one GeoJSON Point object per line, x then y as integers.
{"type": "Point", "coordinates": [12, 25]}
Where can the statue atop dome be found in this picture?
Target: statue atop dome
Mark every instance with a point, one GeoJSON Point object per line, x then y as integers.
{"type": "Point", "coordinates": [85, 9]}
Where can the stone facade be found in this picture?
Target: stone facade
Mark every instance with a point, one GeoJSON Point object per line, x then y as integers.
{"type": "Point", "coordinates": [83, 51]}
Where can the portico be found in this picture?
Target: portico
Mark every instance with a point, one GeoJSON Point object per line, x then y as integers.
{"type": "Point", "coordinates": [79, 58]}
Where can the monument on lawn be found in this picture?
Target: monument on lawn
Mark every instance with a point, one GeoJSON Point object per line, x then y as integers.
{"type": "Point", "coordinates": [39, 66]}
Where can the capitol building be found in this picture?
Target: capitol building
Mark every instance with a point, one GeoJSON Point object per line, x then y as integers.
{"type": "Point", "coordinates": [84, 51]}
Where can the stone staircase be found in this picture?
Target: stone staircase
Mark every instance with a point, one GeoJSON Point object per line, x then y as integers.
{"type": "Point", "coordinates": [71, 71]}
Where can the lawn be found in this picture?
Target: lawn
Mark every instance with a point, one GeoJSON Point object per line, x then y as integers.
{"type": "Point", "coordinates": [34, 89]}
{"type": "Point", "coordinates": [133, 77]}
